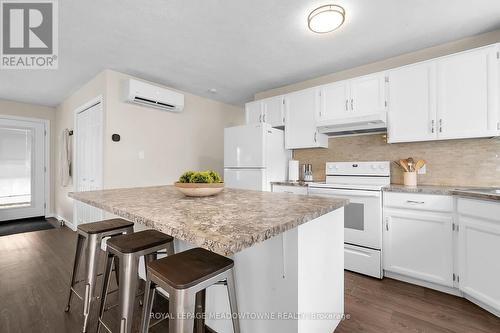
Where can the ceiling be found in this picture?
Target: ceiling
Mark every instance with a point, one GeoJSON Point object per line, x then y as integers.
{"type": "Point", "coordinates": [238, 47]}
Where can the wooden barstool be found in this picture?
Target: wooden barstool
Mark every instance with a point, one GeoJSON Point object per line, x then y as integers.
{"type": "Point", "coordinates": [92, 234]}
{"type": "Point", "coordinates": [128, 249]}
{"type": "Point", "coordinates": [183, 276]}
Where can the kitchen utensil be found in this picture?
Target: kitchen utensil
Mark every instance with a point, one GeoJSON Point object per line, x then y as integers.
{"type": "Point", "coordinates": [404, 165]}
{"type": "Point", "coordinates": [420, 164]}
{"type": "Point", "coordinates": [411, 164]}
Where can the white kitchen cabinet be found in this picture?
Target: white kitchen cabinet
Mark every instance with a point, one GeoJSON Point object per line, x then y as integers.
{"type": "Point", "coordinates": [479, 249]}
{"type": "Point", "coordinates": [253, 112]}
{"type": "Point", "coordinates": [344, 101]}
{"type": "Point", "coordinates": [301, 108]}
{"type": "Point", "coordinates": [419, 245]}
{"type": "Point", "coordinates": [273, 111]}
{"type": "Point", "coordinates": [412, 103]}
{"type": "Point", "coordinates": [418, 239]}
{"type": "Point", "coordinates": [290, 189]}
{"type": "Point", "coordinates": [368, 94]}
{"type": "Point", "coordinates": [468, 94]}
{"type": "Point", "coordinates": [334, 101]}
{"type": "Point", "coordinates": [452, 97]}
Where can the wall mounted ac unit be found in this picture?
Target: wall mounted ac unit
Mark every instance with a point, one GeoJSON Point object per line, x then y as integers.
{"type": "Point", "coordinates": [146, 94]}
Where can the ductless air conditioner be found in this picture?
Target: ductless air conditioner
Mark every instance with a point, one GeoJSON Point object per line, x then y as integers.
{"type": "Point", "coordinates": [146, 94]}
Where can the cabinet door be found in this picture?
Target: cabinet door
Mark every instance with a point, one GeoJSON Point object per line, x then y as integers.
{"type": "Point", "coordinates": [334, 100]}
{"type": "Point", "coordinates": [419, 245]}
{"type": "Point", "coordinates": [412, 103]}
{"type": "Point", "coordinates": [479, 246]}
{"type": "Point", "coordinates": [253, 111]}
{"type": "Point", "coordinates": [467, 94]}
{"type": "Point", "coordinates": [300, 122]}
{"type": "Point", "coordinates": [274, 111]}
{"type": "Point", "coordinates": [367, 94]}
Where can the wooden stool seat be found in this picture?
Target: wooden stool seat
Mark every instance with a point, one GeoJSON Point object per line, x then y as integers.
{"type": "Point", "coordinates": [139, 241]}
{"type": "Point", "coordinates": [104, 226]}
{"type": "Point", "coordinates": [190, 267]}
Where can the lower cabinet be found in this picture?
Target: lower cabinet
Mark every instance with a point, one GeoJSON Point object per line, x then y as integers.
{"type": "Point", "coordinates": [479, 252]}
{"type": "Point", "coordinates": [419, 245]}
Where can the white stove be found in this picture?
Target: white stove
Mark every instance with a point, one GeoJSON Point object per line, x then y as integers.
{"type": "Point", "coordinates": [361, 183]}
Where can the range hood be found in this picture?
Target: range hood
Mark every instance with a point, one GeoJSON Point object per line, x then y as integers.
{"type": "Point", "coordinates": [371, 123]}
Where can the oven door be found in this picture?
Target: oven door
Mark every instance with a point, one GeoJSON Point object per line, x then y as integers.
{"type": "Point", "coordinates": [362, 216]}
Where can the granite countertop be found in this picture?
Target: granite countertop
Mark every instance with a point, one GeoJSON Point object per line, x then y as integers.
{"type": "Point", "coordinates": [462, 191]}
{"type": "Point", "coordinates": [225, 224]}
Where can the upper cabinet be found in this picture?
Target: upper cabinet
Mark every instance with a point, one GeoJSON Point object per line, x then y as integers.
{"type": "Point", "coordinates": [452, 97]}
{"type": "Point", "coordinates": [467, 94]}
{"type": "Point", "coordinates": [269, 110]}
{"type": "Point", "coordinates": [345, 100]}
{"type": "Point", "coordinates": [300, 121]}
{"type": "Point", "coordinates": [412, 103]}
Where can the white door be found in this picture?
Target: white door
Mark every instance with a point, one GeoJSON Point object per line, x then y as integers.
{"type": "Point", "coordinates": [334, 101]}
{"type": "Point", "coordinates": [479, 248]}
{"type": "Point", "coordinates": [468, 94]}
{"type": "Point", "coordinates": [22, 169]}
{"type": "Point", "coordinates": [412, 103]}
{"type": "Point", "coordinates": [246, 179]}
{"type": "Point", "coordinates": [419, 245]}
{"type": "Point", "coordinates": [88, 160]}
{"type": "Point", "coordinates": [300, 127]}
{"type": "Point", "coordinates": [244, 146]}
{"type": "Point", "coordinates": [253, 112]}
{"type": "Point", "coordinates": [274, 111]}
{"type": "Point", "coordinates": [367, 94]}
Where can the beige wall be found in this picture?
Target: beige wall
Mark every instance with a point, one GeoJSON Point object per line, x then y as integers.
{"type": "Point", "coordinates": [405, 59]}
{"type": "Point", "coordinates": [65, 119]}
{"type": "Point", "coordinates": [454, 162]}
{"type": "Point", "coordinates": [473, 162]}
{"type": "Point", "coordinates": [17, 109]}
{"type": "Point", "coordinates": [171, 142]}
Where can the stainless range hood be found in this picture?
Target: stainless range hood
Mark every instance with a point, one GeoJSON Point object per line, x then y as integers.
{"type": "Point", "coordinates": [371, 123]}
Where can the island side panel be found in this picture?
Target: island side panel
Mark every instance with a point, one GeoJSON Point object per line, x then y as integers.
{"type": "Point", "coordinates": [321, 272]}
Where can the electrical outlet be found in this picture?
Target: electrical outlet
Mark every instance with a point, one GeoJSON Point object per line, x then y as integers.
{"type": "Point", "coordinates": [423, 170]}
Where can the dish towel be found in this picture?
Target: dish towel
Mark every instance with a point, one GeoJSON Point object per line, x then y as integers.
{"type": "Point", "coordinates": [66, 159]}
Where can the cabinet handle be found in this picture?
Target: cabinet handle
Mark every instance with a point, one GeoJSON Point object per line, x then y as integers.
{"type": "Point", "coordinates": [347, 105]}
{"type": "Point", "coordinates": [264, 118]}
{"type": "Point", "coordinates": [352, 104]}
{"type": "Point", "coordinates": [433, 124]}
{"type": "Point", "coordinates": [315, 136]}
{"type": "Point", "coordinates": [412, 202]}
{"type": "Point", "coordinates": [260, 118]}
{"type": "Point", "coordinates": [387, 224]}
{"type": "Point", "coordinates": [440, 125]}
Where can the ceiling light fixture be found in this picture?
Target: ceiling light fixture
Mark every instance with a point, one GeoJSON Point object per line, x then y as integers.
{"type": "Point", "coordinates": [326, 18]}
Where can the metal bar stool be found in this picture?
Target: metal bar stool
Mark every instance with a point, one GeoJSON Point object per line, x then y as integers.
{"type": "Point", "coordinates": [184, 276]}
{"type": "Point", "coordinates": [128, 249]}
{"type": "Point", "coordinates": [92, 235]}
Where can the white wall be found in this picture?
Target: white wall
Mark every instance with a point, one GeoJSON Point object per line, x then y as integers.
{"type": "Point", "coordinates": [171, 142]}
{"type": "Point", "coordinates": [17, 109]}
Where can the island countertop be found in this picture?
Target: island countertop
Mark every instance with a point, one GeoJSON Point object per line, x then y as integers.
{"type": "Point", "coordinates": [225, 224]}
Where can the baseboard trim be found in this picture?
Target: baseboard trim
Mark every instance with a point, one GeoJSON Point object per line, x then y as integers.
{"type": "Point", "coordinates": [65, 222]}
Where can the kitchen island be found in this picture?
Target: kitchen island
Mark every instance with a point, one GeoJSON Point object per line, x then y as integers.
{"type": "Point", "coordinates": [288, 250]}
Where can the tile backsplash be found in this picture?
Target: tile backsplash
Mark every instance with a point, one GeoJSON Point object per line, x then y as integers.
{"type": "Point", "coordinates": [471, 162]}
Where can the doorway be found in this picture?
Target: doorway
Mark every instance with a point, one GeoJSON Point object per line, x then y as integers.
{"type": "Point", "coordinates": [88, 158]}
{"type": "Point", "coordinates": [22, 168]}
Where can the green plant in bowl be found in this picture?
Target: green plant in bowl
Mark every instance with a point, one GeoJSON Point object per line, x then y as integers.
{"type": "Point", "coordinates": [200, 184]}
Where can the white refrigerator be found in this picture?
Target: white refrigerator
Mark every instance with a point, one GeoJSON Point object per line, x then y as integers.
{"type": "Point", "coordinates": [254, 156]}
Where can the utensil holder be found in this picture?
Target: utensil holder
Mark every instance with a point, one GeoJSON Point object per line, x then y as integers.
{"type": "Point", "coordinates": [410, 178]}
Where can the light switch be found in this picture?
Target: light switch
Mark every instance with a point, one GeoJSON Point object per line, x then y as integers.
{"type": "Point", "coordinates": [141, 155]}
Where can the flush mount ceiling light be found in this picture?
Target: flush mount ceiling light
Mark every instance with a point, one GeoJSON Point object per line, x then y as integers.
{"type": "Point", "coordinates": [326, 18]}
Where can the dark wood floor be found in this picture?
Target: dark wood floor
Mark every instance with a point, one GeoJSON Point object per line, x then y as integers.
{"type": "Point", "coordinates": [35, 269]}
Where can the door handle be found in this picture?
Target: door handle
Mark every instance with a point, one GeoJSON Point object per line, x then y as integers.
{"type": "Point", "coordinates": [347, 105]}
{"type": "Point", "coordinates": [440, 125]}
{"type": "Point", "coordinates": [352, 104]}
{"type": "Point", "coordinates": [264, 118]}
{"type": "Point", "coordinates": [433, 124]}
{"type": "Point", "coordinates": [315, 136]}
{"type": "Point", "coordinates": [260, 118]}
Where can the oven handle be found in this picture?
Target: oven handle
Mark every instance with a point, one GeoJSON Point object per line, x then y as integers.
{"type": "Point", "coordinates": [350, 193]}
